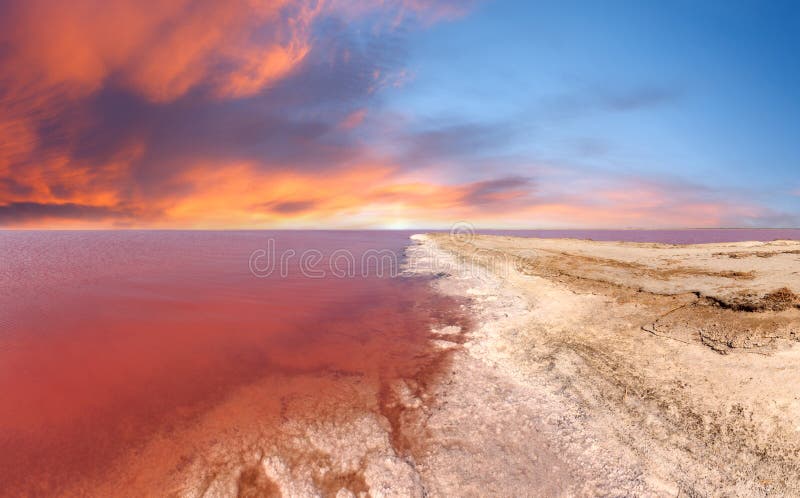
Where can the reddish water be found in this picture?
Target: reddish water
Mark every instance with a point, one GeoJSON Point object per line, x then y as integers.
{"type": "Point", "coordinates": [108, 339]}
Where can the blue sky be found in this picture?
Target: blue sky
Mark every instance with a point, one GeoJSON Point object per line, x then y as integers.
{"type": "Point", "coordinates": [702, 92]}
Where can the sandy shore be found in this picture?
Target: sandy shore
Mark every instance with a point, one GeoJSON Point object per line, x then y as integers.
{"type": "Point", "coordinates": [616, 369]}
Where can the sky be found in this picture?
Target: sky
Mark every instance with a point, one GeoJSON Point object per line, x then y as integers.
{"type": "Point", "coordinates": [399, 114]}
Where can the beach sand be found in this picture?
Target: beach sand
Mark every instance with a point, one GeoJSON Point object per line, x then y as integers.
{"type": "Point", "coordinates": [613, 368]}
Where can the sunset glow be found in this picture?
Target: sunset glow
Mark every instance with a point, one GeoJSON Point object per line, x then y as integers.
{"type": "Point", "coordinates": [313, 113]}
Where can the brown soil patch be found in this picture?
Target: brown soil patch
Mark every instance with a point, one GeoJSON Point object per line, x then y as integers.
{"type": "Point", "coordinates": [254, 483]}
{"type": "Point", "coordinates": [778, 300]}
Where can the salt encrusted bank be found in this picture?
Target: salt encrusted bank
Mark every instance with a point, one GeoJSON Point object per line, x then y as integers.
{"type": "Point", "coordinates": [617, 368]}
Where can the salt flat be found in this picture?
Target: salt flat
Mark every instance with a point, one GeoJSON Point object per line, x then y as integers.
{"type": "Point", "coordinates": [617, 368]}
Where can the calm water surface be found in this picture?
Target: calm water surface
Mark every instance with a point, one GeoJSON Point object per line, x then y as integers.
{"type": "Point", "coordinates": [110, 339]}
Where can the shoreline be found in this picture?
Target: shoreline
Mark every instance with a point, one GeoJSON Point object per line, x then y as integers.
{"type": "Point", "coordinates": [539, 367]}
{"type": "Point", "coordinates": [647, 369]}
{"type": "Point", "coordinates": [535, 439]}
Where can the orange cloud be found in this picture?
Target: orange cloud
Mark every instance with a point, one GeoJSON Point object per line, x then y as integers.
{"type": "Point", "coordinates": [108, 107]}
{"type": "Point", "coordinates": [164, 49]}
{"type": "Point", "coordinates": [19, 140]}
{"type": "Point", "coordinates": [160, 49]}
{"type": "Point", "coordinates": [243, 195]}
{"type": "Point", "coordinates": [375, 195]}
{"type": "Point", "coordinates": [56, 56]}
{"type": "Point", "coordinates": [353, 120]}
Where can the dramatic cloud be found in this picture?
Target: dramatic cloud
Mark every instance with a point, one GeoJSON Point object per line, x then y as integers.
{"type": "Point", "coordinates": [112, 109]}
{"type": "Point", "coordinates": [16, 212]}
{"type": "Point", "coordinates": [268, 113]}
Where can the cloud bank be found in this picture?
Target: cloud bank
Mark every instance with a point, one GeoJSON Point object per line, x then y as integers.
{"type": "Point", "coordinates": [247, 113]}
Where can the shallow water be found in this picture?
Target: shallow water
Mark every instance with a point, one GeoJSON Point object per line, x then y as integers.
{"type": "Point", "coordinates": [110, 339]}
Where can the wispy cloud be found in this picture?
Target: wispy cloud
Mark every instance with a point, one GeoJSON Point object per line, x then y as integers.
{"type": "Point", "coordinates": [589, 99]}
